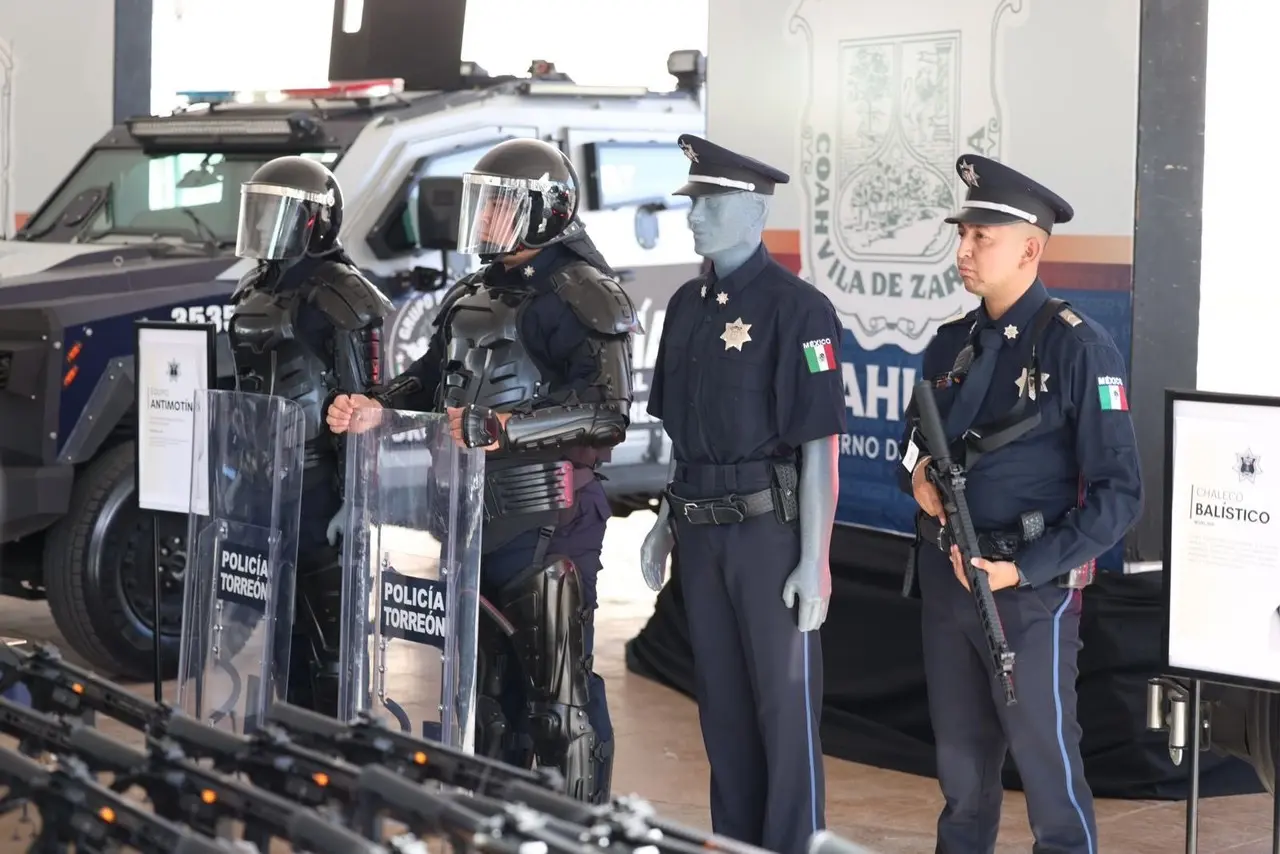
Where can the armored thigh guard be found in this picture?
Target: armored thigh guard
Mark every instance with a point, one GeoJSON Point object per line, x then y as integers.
{"type": "Point", "coordinates": [317, 630]}
{"type": "Point", "coordinates": [547, 611]}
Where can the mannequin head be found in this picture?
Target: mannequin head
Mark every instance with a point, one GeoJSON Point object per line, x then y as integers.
{"type": "Point", "coordinates": [728, 227]}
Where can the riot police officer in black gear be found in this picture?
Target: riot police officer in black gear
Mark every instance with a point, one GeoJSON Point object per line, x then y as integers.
{"type": "Point", "coordinates": [306, 327]}
{"type": "Point", "coordinates": [531, 359]}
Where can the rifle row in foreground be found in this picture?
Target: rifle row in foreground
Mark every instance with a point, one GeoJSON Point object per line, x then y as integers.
{"type": "Point", "coordinates": [303, 779]}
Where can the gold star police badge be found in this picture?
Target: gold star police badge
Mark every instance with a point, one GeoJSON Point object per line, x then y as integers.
{"type": "Point", "coordinates": [736, 334]}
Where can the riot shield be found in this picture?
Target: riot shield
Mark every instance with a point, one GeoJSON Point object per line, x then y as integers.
{"type": "Point", "coordinates": [411, 585]}
{"type": "Point", "coordinates": [242, 541]}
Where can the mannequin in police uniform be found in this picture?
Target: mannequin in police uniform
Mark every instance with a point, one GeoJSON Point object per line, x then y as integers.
{"type": "Point", "coordinates": [1032, 397]}
{"type": "Point", "coordinates": [748, 386]}
{"type": "Point", "coordinates": [531, 359]}
{"type": "Point", "coordinates": [306, 327]}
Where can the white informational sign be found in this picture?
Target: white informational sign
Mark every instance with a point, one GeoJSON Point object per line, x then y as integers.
{"type": "Point", "coordinates": [1223, 571]}
{"type": "Point", "coordinates": [174, 362]}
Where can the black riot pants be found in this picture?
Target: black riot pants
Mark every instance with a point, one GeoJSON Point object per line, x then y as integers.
{"type": "Point", "coordinates": [758, 679]}
{"type": "Point", "coordinates": [317, 613]}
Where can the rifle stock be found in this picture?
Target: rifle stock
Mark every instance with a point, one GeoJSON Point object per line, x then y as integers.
{"type": "Point", "coordinates": [949, 477]}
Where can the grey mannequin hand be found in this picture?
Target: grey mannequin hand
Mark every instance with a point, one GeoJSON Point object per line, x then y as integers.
{"type": "Point", "coordinates": [337, 525]}
{"type": "Point", "coordinates": [656, 548]}
{"type": "Point", "coordinates": [810, 582]}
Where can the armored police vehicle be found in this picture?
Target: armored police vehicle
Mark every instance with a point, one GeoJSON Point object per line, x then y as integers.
{"type": "Point", "coordinates": [145, 225]}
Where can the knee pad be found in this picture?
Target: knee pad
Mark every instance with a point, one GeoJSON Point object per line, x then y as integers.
{"type": "Point", "coordinates": [546, 609]}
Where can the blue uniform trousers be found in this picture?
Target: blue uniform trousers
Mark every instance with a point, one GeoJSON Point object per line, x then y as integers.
{"type": "Point", "coordinates": [973, 728]}
{"type": "Point", "coordinates": [581, 540]}
{"type": "Point", "coordinates": [757, 678]}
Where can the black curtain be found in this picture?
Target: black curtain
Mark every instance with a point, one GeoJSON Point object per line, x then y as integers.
{"type": "Point", "coordinates": [875, 710]}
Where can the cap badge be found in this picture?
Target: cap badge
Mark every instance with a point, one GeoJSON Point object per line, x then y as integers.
{"type": "Point", "coordinates": [689, 152]}
{"type": "Point", "coordinates": [968, 173]}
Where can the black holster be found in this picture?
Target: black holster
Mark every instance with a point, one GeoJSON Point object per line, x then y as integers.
{"type": "Point", "coordinates": [786, 491]}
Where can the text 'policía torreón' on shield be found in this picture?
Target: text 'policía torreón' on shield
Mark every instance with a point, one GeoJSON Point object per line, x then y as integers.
{"type": "Point", "coordinates": [243, 576]}
{"type": "Point", "coordinates": [414, 609]}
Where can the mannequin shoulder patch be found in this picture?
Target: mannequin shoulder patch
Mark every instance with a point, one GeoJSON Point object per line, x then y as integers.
{"type": "Point", "coordinates": [596, 299]}
{"type": "Point", "coordinates": [347, 298]}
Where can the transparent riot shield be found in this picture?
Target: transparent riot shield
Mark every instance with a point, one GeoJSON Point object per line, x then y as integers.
{"type": "Point", "coordinates": [242, 541]}
{"type": "Point", "coordinates": [411, 586]}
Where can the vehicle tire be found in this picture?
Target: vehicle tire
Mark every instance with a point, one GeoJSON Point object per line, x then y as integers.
{"type": "Point", "coordinates": [92, 571]}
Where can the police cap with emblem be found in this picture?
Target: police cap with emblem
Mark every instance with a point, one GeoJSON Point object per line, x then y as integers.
{"type": "Point", "coordinates": [999, 195]}
{"type": "Point", "coordinates": [714, 169]}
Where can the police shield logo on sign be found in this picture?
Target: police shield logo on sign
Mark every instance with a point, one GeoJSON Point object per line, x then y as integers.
{"type": "Point", "coordinates": [1247, 466]}
{"type": "Point", "coordinates": [889, 112]}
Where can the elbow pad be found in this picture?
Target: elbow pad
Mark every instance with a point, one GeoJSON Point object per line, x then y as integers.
{"type": "Point", "coordinates": [597, 425]}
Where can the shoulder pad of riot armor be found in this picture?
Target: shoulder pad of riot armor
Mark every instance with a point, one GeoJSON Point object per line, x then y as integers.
{"type": "Point", "coordinates": [596, 299]}
{"type": "Point", "coordinates": [461, 288]}
{"type": "Point", "coordinates": [347, 298]}
{"type": "Point", "coordinates": [249, 281]}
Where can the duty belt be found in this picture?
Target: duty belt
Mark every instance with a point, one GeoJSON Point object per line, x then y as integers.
{"type": "Point", "coordinates": [532, 488]}
{"type": "Point", "coordinates": [725, 510]}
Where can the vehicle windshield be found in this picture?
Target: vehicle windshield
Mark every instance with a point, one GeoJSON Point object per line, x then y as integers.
{"type": "Point", "coordinates": [192, 196]}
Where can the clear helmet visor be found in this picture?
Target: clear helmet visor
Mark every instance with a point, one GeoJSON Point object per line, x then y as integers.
{"type": "Point", "coordinates": [494, 215]}
{"type": "Point", "coordinates": [275, 223]}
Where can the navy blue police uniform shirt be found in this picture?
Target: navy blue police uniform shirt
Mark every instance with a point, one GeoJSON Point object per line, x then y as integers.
{"type": "Point", "coordinates": [750, 369]}
{"type": "Point", "coordinates": [1079, 466]}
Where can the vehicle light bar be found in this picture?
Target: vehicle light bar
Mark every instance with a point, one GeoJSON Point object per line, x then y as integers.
{"type": "Point", "coordinates": [344, 90]}
{"type": "Point", "coordinates": [211, 127]}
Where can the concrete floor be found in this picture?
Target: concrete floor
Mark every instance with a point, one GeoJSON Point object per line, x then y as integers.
{"type": "Point", "coordinates": [660, 752]}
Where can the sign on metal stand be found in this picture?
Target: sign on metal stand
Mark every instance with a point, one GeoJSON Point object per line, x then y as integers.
{"type": "Point", "coordinates": [1221, 572]}
{"type": "Point", "coordinates": [175, 362]}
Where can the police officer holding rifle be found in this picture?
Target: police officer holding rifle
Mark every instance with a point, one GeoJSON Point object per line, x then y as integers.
{"type": "Point", "coordinates": [1037, 476]}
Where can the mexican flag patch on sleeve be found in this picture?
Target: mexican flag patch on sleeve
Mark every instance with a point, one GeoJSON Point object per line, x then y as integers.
{"type": "Point", "coordinates": [819, 355]}
{"type": "Point", "coordinates": [1111, 394]}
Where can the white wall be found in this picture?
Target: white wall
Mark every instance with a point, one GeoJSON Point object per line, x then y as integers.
{"type": "Point", "coordinates": [57, 73]}
{"type": "Point", "coordinates": [1239, 291]}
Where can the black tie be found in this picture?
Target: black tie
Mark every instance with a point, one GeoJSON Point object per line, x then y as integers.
{"type": "Point", "coordinates": [974, 388]}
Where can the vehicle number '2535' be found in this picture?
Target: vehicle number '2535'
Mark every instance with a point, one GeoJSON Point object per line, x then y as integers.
{"type": "Point", "coordinates": [217, 316]}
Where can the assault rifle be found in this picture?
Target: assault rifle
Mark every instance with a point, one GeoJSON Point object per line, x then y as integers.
{"type": "Point", "coordinates": [59, 686]}
{"type": "Point", "coordinates": [630, 823]}
{"type": "Point", "coordinates": [77, 810]}
{"type": "Point", "coordinates": [949, 477]}
{"type": "Point", "coordinates": [368, 741]}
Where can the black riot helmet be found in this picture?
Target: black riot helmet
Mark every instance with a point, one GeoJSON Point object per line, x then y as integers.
{"type": "Point", "coordinates": [523, 194]}
{"type": "Point", "coordinates": [291, 207]}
